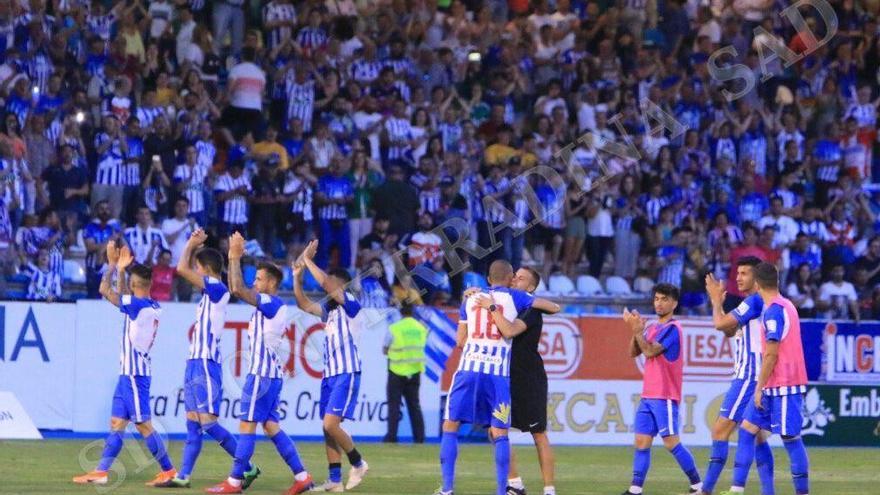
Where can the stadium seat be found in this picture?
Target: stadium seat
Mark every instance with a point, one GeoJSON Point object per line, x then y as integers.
{"type": "Point", "coordinates": [15, 294]}
{"type": "Point", "coordinates": [643, 285]}
{"type": "Point", "coordinates": [617, 286]}
{"type": "Point", "coordinates": [72, 271]}
{"type": "Point", "coordinates": [604, 310]}
{"type": "Point", "coordinates": [474, 279]}
{"type": "Point", "coordinates": [249, 273]}
{"type": "Point", "coordinates": [588, 285]}
{"type": "Point", "coordinates": [20, 277]}
{"type": "Point", "coordinates": [560, 284]}
{"type": "Point", "coordinates": [542, 287]}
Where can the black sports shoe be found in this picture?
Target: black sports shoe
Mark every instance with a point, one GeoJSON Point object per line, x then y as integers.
{"type": "Point", "coordinates": [515, 491]}
{"type": "Point", "coordinates": [627, 492]}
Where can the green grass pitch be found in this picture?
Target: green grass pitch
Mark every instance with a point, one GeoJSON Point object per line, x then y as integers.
{"type": "Point", "coordinates": [44, 467]}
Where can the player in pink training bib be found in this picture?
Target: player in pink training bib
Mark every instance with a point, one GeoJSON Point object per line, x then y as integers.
{"type": "Point", "coordinates": [777, 403]}
{"type": "Point", "coordinates": [661, 343]}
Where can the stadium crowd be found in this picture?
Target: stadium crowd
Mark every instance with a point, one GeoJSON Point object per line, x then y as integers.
{"type": "Point", "coordinates": [366, 124]}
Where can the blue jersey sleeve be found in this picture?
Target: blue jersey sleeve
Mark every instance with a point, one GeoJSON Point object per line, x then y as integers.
{"type": "Point", "coordinates": [749, 309]}
{"type": "Point", "coordinates": [774, 323]}
{"type": "Point", "coordinates": [462, 311]}
{"type": "Point", "coordinates": [215, 289]}
{"type": "Point", "coordinates": [131, 306]}
{"type": "Point", "coordinates": [268, 305]}
{"type": "Point", "coordinates": [350, 305]}
{"type": "Point", "coordinates": [522, 300]}
{"type": "Point", "coordinates": [670, 340]}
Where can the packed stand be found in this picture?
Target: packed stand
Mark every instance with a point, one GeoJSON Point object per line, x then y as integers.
{"type": "Point", "coordinates": [368, 124]}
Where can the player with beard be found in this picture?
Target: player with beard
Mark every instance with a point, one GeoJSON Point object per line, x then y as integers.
{"type": "Point", "coordinates": [528, 380]}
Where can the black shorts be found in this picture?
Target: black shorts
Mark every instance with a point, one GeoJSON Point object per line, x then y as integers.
{"type": "Point", "coordinates": [240, 121]}
{"type": "Point", "coordinates": [544, 235]}
{"type": "Point", "coordinates": [528, 401]}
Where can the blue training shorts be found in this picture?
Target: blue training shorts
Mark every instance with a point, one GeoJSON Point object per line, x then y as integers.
{"type": "Point", "coordinates": [202, 386]}
{"type": "Point", "coordinates": [131, 399]}
{"type": "Point", "coordinates": [779, 414]}
{"type": "Point", "coordinates": [479, 398]}
{"type": "Point", "coordinates": [339, 395]}
{"type": "Point", "coordinates": [657, 416]}
{"type": "Point", "coordinates": [260, 399]}
{"type": "Point", "coordinates": [739, 395]}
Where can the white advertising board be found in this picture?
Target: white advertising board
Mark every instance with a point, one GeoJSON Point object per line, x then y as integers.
{"type": "Point", "coordinates": [36, 360]}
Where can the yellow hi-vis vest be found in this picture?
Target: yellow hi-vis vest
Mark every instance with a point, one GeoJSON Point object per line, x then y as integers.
{"type": "Point", "coordinates": [406, 356]}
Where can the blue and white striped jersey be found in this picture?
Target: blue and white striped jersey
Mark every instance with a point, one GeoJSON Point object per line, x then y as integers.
{"type": "Point", "coordinates": [102, 25]}
{"type": "Point", "coordinates": [235, 209]}
{"type": "Point", "coordinates": [43, 284]}
{"type": "Point", "coordinates": [365, 71]}
{"type": "Point", "coordinates": [210, 320]}
{"type": "Point", "coordinates": [194, 192]}
{"type": "Point", "coordinates": [109, 162]}
{"type": "Point", "coordinates": [311, 39]}
{"type": "Point", "coordinates": [138, 334]}
{"type": "Point", "coordinates": [334, 188]}
{"type": "Point", "coordinates": [131, 170]}
{"type": "Point", "coordinates": [747, 357]}
{"type": "Point", "coordinates": [141, 240]}
{"type": "Point", "coordinates": [302, 199]}
{"type": "Point", "coordinates": [265, 330]}
{"type": "Point", "coordinates": [146, 115]}
{"type": "Point", "coordinates": [486, 350]}
{"type": "Point", "coordinates": [399, 133]}
{"type": "Point", "coordinates": [340, 351]}
{"type": "Point", "coordinates": [275, 12]}
{"type": "Point", "coordinates": [206, 152]}
{"type": "Point", "coordinates": [496, 213]}
{"type": "Point", "coordinates": [301, 102]}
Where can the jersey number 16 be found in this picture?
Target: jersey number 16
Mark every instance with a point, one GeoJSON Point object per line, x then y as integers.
{"type": "Point", "coordinates": [489, 329]}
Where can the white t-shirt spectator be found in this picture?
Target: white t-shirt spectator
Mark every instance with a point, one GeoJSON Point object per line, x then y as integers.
{"type": "Point", "coordinates": [786, 229]}
{"type": "Point", "coordinates": [172, 226]}
{"type": "Point", "coordinates": [247, 82]}
{"type": "Point", "coordinates": [161, 13]}
{"type": "Point", "coordinates": [839, 296]}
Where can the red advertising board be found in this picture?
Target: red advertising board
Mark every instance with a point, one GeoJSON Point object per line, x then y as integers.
{"type": "Point", "coordinates": [597, 348]}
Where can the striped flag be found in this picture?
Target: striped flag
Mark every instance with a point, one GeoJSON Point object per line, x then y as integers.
{"type": "Point", "coordinates": [441, 339]}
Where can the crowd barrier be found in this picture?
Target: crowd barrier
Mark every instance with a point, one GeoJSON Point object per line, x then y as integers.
{"type": "Point", "coordinates": [61, 361]}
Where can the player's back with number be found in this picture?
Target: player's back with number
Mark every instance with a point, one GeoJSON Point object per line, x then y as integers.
{"type": "Point", "coordinates": [486, 350]}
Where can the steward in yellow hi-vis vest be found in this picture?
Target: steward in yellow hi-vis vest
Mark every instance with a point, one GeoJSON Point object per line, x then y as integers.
{"type": "Point", "coordinates": [405, 347]}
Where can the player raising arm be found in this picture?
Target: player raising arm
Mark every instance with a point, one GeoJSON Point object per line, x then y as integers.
{"type": "Point", "coordinates": [777, 401]}
{"type": "Point", "coordinates": [661, 343]}
{"type": "Point", "coordinates": [261, 395]}
{"type": "Point", "coordinates": [131, 400]}
{"type": "Point", "coordinates": [744, 325]}
{"type": "Point", "coordinates": [342, 366]}
{"type": "Point", "coordinates": [203, 385]}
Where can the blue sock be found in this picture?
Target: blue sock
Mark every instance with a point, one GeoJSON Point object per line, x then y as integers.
{"type": "Point", "coordinates": [448, 454]}
{"type": "Point", "coordinates": [243, 453]}
{"type": "Point", "coordinates": [745, 454]}
{"type": "Point", "coordinates": [112, 446]}
{"type": "Point", "coordinates": [800, 464]}
{"type": "Point", "coordinates": [502, 463]}
{"type": "Point", "coordinates": [191, 448]}
{"type": "Point", "coordinates": [335, 469]}
{"type": "Point", "coordinates": [641, 464]}
{"type": "Point", "coordinates": [686, 461]}
{"type": "Point", "coordinates": [717, 460]}
{"type": "Point", "coordinates": [222, 435]}
{"type": "Point", "coordinates": [288, 452]}
{"type": "Point", "coordinates": [157, 448]}
{"type": "Point", "coordinates": [764, 461]}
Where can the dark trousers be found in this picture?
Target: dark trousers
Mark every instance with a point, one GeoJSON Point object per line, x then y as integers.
{"type": "Point", "coordinates": [333, 233]}
{"type": "Point", "coordinates": [408, 387]}
{"type": "Point", "coordinates": [597, 251]}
